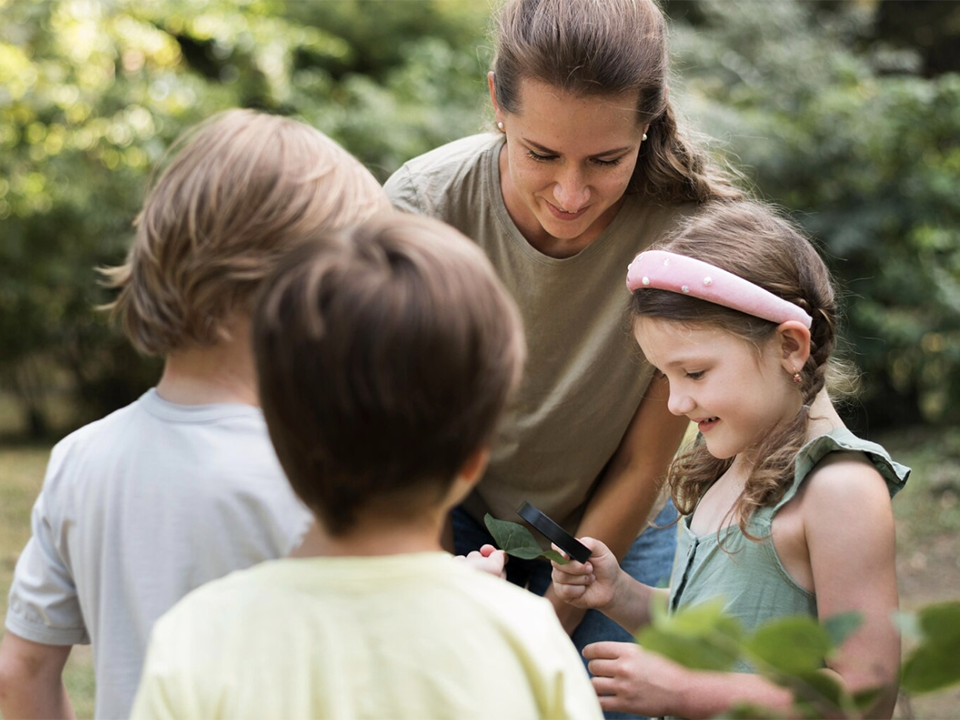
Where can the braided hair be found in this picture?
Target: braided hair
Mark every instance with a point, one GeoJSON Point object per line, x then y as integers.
{"type": "Point", "coordinates": [753, 241]}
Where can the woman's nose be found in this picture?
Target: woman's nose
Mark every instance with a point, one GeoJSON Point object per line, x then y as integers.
{"type": "Point", "coordinates": [571, 191]}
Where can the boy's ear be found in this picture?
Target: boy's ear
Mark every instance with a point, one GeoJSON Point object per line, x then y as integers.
{"type": "Point", "coordinates": [469, 476]}
{"type": "Point", "coordinates": [794, 342]}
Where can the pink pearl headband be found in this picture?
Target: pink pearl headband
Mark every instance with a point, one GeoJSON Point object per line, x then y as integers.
{"type": "Point", "coordinates": [663, 270]}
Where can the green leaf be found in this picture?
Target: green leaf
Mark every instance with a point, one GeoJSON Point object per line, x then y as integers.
{"type": "Point", "coordinates": [791, 645]}
{"type": "Point", "coordinates": [552, 554]}
{"type": "Point", "coordinates": [517, 541]}
{"type": "Point", "coordinates": [841, 626]}
{"type": "Point", "coordinates": [814, 691]}
{"type": "Point", "coordinates": [933, 663]}
{"type": "Point", "coordinates": [701, 637]}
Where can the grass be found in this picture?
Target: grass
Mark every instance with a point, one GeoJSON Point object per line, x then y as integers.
{"type": "Point", "coordinates": [927, 513]}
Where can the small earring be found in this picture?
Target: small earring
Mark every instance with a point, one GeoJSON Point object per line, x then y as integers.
{"type": "Point", "coordinates": [500, 126]}
{"type": "Point", "coordinates": [644, 137]}
{"type": "Point", "coordinates": [796, 377]}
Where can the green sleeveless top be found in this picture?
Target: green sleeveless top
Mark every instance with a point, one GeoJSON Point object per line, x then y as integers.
{"type": "Point", "coordinates": [748, 574]}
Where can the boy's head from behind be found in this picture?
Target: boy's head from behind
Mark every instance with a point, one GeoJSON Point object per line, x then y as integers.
{"type": "Point", "coordinates": [242, 190]}
{"type": "Point", "coordinates": [385, 356]}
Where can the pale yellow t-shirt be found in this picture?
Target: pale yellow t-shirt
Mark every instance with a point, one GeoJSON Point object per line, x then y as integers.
{"type": "Point", "coordinates": [585, 376]}
{"type": "Point", "coordinates": [415, 636]}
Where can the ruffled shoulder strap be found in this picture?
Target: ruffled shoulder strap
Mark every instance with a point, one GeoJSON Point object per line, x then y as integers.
{"type": "Point", "coordinates": [840, 440]}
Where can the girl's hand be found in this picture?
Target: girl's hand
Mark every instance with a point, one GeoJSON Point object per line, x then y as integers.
{"type": "Point", "coordinates": [592, 584]}
{"type": "Point", "coordinates": [629, 679]}
{"type": "Point", "coordinates": [487, 559]}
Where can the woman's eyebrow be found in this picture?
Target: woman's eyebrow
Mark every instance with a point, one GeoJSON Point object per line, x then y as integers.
{"type": "Point", "coordinates": [547, 151]}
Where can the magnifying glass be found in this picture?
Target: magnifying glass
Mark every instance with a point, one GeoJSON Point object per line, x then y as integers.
{"type": "Point", "coordinates": [554, 533]}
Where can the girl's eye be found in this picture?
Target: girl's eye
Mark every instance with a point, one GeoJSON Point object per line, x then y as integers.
{"type": "Point", "coordinates": [538, 157]}
{"type": "Point", "coordinates": [695, 375]}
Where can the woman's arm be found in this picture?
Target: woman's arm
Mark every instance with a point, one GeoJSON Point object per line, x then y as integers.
{"type": "Point", "coordinates": [631, 483]}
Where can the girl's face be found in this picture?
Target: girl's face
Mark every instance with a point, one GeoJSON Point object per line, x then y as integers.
{"type": "Point", "coordinates": [567, 163]}
{"type": "Point", "coordinates": [733, 390]}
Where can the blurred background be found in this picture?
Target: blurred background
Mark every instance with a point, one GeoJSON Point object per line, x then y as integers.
{"type": "Point", "coordinates": [846, 113]}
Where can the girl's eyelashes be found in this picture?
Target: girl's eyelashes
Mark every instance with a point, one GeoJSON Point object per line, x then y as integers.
{"type": "Point", "coordinates": [695, 375]}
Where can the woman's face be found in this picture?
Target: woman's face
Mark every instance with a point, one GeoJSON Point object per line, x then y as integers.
{"type": "Point", "coordinates": [566, 164]}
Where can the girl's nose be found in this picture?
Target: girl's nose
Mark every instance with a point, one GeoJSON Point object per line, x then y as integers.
{"type": "Point", "coordinates": [680, 403]}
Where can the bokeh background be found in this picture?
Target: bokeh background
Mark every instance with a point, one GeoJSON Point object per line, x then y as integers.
{"type": "Point", "coordinates": [845, 113]}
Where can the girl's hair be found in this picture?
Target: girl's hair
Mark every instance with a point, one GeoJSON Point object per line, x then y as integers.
{"type": "Point", "coordinates": [242, 189]}
{"type": "Point", "coordinates": [754, 242]}
{"type": "Point", "coordinates": [601, 48]}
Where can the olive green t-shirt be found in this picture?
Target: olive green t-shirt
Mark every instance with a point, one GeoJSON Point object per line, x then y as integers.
{"type": "Point", "coordinates": [585, 376]}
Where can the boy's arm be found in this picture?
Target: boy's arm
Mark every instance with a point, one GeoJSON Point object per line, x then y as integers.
{"type": "Point", "coordinates": [31, 679]}
{"type": "Point", "coordinates": [631, 484]}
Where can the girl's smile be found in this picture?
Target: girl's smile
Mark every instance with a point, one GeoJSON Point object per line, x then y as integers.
{"type": "Point", "coordinates": [733, 390]}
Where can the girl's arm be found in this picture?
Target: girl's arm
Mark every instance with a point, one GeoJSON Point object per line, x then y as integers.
{"type": "Point", "coordinates": [849, 534]}
{"type": "Point", "coordinates": [849, 530]}
{"type": "Point", "coordinates": [631, 484]}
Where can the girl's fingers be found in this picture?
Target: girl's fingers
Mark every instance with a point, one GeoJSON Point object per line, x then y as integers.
{"type": "Point", "coordinates": [608, 650]}
{"type": "Point", "coordinates": [558, 576]}
{"type": "Point", "coordinates": [604, 686]}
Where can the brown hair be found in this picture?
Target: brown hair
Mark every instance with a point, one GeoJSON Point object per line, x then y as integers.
{"type": "Point", "coordinates": [608, 47]}
{"type": "Point", "coordinates": [385, 355]}
{"type": "Point", "coordinates": [242, 190]}
{"type": "Point", "coordinates": [752, 241]}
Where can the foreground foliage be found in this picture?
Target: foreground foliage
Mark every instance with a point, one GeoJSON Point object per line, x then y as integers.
{"type": "Point", "coordinates": [791, 651]}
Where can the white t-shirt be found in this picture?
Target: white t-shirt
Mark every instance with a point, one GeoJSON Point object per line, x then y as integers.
{"type": "Point", "coordinates": [137, 510]}
{"type": "Point", "coordinates": [418, 636]}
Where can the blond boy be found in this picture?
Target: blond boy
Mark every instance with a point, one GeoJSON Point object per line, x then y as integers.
{"type": "Point", "coordinates": [182, 486]}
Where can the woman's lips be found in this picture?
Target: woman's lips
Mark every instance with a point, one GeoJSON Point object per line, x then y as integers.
{"type": "Point", "coordinates": [563, 215]}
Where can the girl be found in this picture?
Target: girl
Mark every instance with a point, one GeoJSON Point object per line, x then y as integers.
{"type": "Point", "coordinates": [587, 167]}
{"type": "Point", "coordinates": [785, 510]}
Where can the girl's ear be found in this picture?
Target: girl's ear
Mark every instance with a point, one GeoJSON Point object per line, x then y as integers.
{"type": "Point", "coordinates": [794, 341]}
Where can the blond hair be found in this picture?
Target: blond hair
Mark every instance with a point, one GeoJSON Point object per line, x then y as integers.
{"type": "Point", "coordinates": [608, 47]}
{"type": "Point", "coordinates": [243, 189]}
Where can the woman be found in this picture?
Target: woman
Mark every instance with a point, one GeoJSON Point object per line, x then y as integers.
{"type": "Point", "coordinates": [588, 168]}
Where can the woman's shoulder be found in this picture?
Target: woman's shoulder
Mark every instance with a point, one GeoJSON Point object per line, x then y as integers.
{"type": "Point", "coordinates": [451, 170]}
{"type": "Point", "coordinates": [451, 158]}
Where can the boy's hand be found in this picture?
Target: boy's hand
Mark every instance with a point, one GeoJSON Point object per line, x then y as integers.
{"type": "Point", "coordinates": [592, 584]}
{"type": "Point", "coordinates": [488, 559]}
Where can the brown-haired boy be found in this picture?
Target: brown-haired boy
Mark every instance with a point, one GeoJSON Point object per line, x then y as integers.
{"type": "Point", "coordinates": [182, 486]}
{"type": "Point", "coordinates": [385, 356]}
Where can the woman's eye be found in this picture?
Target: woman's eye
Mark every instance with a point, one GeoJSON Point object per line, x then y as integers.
{"type": "Point", "coordinates": [607, 163]}
{"type": "Point", "coordinates": [538, 157]}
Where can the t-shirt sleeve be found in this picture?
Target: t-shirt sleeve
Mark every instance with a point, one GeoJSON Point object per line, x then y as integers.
{"type": "Point", "coordinates": [159, 695]}
{"type": "Point", "coordinates": [575, 698]}
{"type": "Point", "coordinates": [43, 604]}
{"type": "Point", "coordinates": [402, 192]}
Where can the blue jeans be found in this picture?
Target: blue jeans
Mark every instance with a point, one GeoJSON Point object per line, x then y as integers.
{"type": "Point", "coordinates": [649, 560]}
